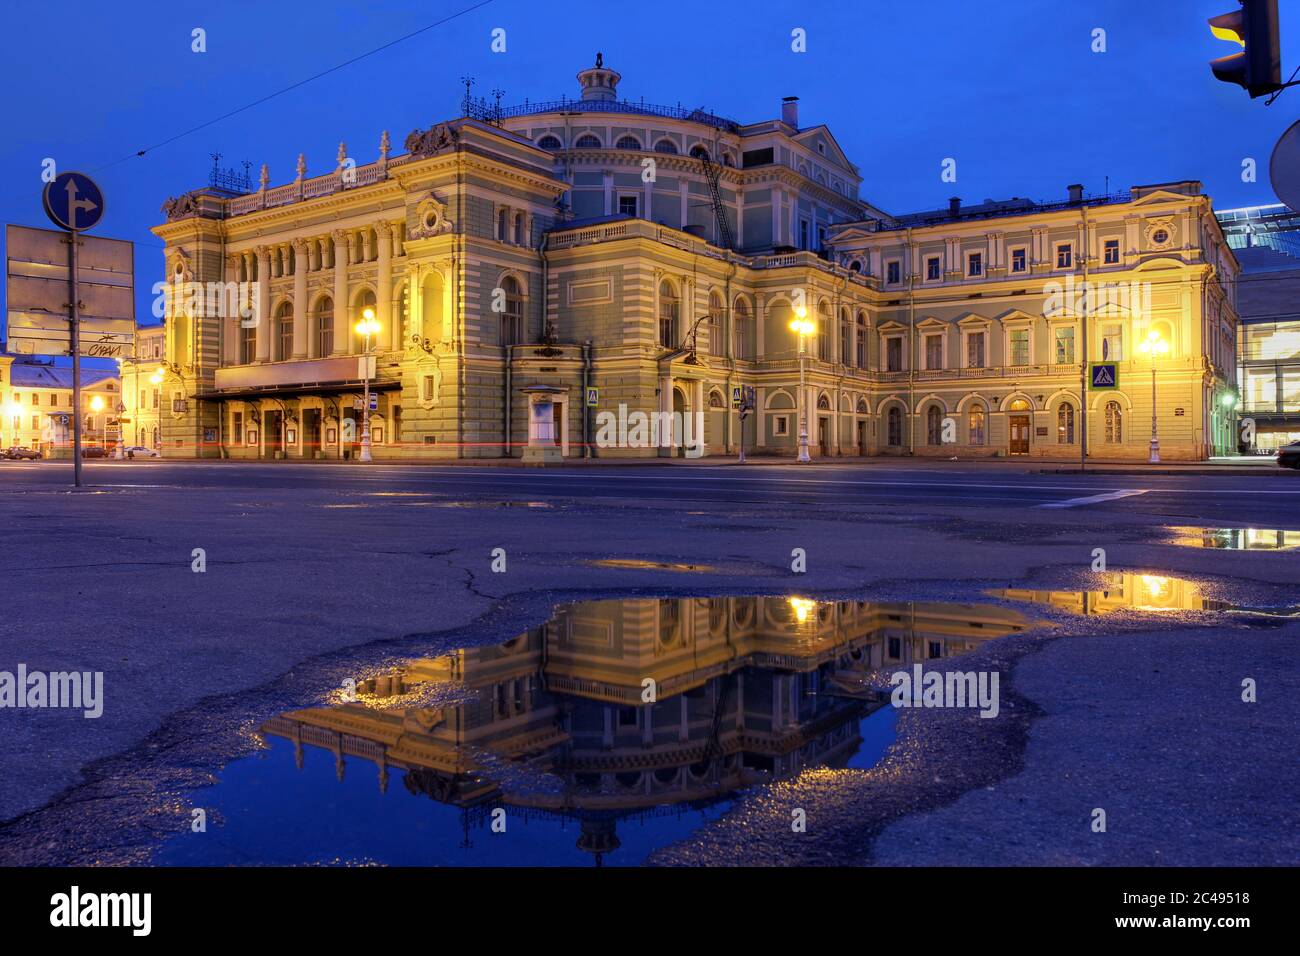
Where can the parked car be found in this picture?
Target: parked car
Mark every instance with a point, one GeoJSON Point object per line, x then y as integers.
{"type": "Point", "coordinates": [18, 453]}
{"type": "Point", "coordinates": [93, 451]}
{"type": "Point", "coordinates": [139, 451]}
{"type": "Point", "coordinates": [1288, 456]}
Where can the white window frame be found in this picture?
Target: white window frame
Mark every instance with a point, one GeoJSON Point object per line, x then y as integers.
{"type": "Point", "coordinates": [937, 262]}
{"type": "Point", "coordinates": [1107, 244]}
{"type": "Point", "coordinates": [1011, 259]}
{"type": "Point", "coordinates": [1056, 254]}
{"type": "Point", "coordinates": [884, 351]}
{"type": "Point", "coordinates": [1007, 331]}
{"type": "Point", "coordinates": [894, 262]}
{"type": "Point", "coordinates": [966, 333]}
{"type": "Point", "coordinates": [971, 258]}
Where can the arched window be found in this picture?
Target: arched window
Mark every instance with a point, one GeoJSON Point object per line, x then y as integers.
{"type": "Point", "coordinates": [247, 344]}
{"type": "Point", "coordinates": [666, 146]}
{"type": "Point", "coordinates": [519, 229]}
{"type": "Point", "coordinates": [512, 319]}
{"type": "Point", "coordinates": [365, 300]}
{"type": "Point", "coordinates": [846, 337]}
{"type": "Point", "coordinates": [669, 310]}
{"type": "Point", "coordinates": [284, 325]}
{"type": "Point", "coordinates": [744, 330]}
{"type": "Point", "coordinates": [628, 142]}
{"type": "Point", "coordinates": [587, 141]}
{"type": "Point", "coordinates": [894, 426]}
{"type": "Point", "coordinates": [977, 418]}
{"type": "Point", "coordinates": [717, 343]}
{"type": "Point", "coordinates": [1065, 424]}
{"type": "Point", "coordinates": [549, 142]}
{"type": "Point", "coordinates": [862, 340]}
{"type": "Point", "coordinates": [1114, 424]}
{"type": "Point", "coordinates": [855, 266]}
{"type": "Point", "coordinates": [324, 317]}
{"type": "Point", "coordinates": [933, 425]}
{"type": "Point", "coordinates": [699, 152]}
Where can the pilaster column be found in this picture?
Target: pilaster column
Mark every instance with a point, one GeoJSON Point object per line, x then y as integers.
{"type": "Point", "coordinates": [341, 258]}
{"type": "Point", "coordinates": [300, 298]}
{"type": "Point", "coordinates": [230, 324]}
{"type": "Point", "coordinates": [384, 294]}
{"type": "Point", "coordinates": [263, 351]}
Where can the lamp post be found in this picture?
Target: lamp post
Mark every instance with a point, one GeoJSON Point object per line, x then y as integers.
{"type": "Point", "coordinates": [367, 327]}
{"type": "Point", "coordinates": [155, 434]}
{"type": "Point", "coordinates": [804, 328]}
{"type": "Point", "coordinates": [1153, 346]}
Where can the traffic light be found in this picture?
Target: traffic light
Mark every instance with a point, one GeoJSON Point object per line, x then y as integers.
{"type": "Point", "coordinates": [1258, 67]}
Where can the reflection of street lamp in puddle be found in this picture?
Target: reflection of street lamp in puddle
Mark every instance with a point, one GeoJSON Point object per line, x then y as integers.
{"type": "Point", "coordinates": [1155, 586]}
{"type": "Point", "coordinates": [801, 607]}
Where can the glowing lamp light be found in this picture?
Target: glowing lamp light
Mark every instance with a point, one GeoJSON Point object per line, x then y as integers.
{"type": "Point", "coordinates": [1154, 344]}
{"type": "Point", "coordinates": [802, 607]}
{"type": "Point", "coordinates": [157, 376]}
{"type": "Point", "coordinates": [96, 404]}
{"type": "Point", "coordinates": [801, 325]}
{"type": "Point", "coordinates": [368, 325]}
{"type": "Point", "coordinates": [1229, 400]}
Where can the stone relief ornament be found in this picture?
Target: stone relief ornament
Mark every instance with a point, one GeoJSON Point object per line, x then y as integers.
{"type": "Point", "coordinates": [428, 377]}
{"type": "Point", "coordinates": [178, 208]}
{"type": "Point", "coordinates": [1160, 233]}
{"type": "Point", "coordinates": [430, 219]}
{"type": "Point", "coordinates": [427, 142]}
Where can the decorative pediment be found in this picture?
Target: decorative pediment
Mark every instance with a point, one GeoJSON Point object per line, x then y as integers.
{"type": "Point", "coordinates": [891, 326]}
{"type": "Point", "coordinates": [971, 320]}
{"type": "Point", "coordinates": [931, 323]}
{"type": "Point", "coordinates": [1012, 316]}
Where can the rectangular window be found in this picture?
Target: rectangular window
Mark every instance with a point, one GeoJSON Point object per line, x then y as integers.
{"type": "Point", "coordinates": [54, 399]}
{"type": "Point", "coordinates": [1018, 259]}
{"type": "Point", "coordinates": [1110, 254]}
{"type": "Point", "coordinates": [780, 425]}
{"type": "Point", "coordinates": [893, 272]}
{"type": "Point", "coordinates": [975, 264]}
{"type": "Point", "coordinates": [1064, 256]}
{"type": "Point", "coordinates": [627, 205]}
{"type": "Point", "coordinates": [237, 427]}
{"type": "Point", "coordinates": [975, 350]}
{"type": "Point", "coordinates": [427, 388]}
{"type": "Point", "coordinates": [1018, 340]}
{"type": "Point", "coordinates": [894, 354]}
{"type": "Point", "coordinates": [934, 351]}
{"type": "Point", "coordinates": [895, 648]}
{"type": "Point", "coordinates": [36, 423]}
{"type": "Point", "coordinates": [932, 268]}
{"type": "Point", "coordinates": [803, 233]}
{"type": "Point", "coordinates": [1064, 342]}
{"type": "Point", "coordinates": [1112, 340]}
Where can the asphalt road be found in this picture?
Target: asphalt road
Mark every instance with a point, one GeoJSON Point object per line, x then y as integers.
{"type": "Point", "coordinates": [1266, 498]}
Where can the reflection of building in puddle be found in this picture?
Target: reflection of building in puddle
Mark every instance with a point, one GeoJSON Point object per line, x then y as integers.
{"type": "Point", "coordinates": [1123, 592]}
{"type": "Point", "coordinates": [643, 565]}
{"type": "Point", "coordinates": [745, 691]}
{"type": "Point", "coordinates": [1235, 539]}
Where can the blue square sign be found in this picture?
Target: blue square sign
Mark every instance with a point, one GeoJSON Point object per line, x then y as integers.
{"type": "Point", "coordinates": [1104, 375]}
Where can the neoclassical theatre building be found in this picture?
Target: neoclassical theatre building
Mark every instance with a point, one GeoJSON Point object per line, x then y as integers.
{"type": "Point", "coordinates": [657, 255]}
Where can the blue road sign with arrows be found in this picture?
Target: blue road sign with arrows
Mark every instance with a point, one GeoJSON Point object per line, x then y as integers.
{"type": "Point", "coordinates": [73, 202]}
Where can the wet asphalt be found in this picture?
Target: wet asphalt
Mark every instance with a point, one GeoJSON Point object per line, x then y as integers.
{"type": "Point", "coordinates": [312, 570]}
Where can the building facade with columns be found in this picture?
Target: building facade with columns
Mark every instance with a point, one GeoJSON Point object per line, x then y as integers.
{"type": "Point", "coordinates": [619, 257]}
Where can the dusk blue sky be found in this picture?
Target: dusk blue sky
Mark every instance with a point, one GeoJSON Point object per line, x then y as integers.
{"type": "Point", "coordinates": [1010, 90]}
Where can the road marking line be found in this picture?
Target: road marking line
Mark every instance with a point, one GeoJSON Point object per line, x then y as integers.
{"type": "Point", "coordinates": [1094, 499]}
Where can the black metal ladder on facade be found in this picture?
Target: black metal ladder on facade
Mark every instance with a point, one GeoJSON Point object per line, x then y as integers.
{"type": "Point", "coordinates": [711, 172]}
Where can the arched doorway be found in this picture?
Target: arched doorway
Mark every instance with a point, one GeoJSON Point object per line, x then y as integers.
{"type": "Point", "coordinates": [1019, 418]}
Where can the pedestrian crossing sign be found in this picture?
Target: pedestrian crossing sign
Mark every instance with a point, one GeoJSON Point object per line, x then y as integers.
{"type": "Point", "coordinates": [1104, 375]}
{"type": "Point", "coordinates": [593, 397]}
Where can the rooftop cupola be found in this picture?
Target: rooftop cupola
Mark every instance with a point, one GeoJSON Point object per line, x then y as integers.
{"type": "Point", "coordinates": [599, 82]}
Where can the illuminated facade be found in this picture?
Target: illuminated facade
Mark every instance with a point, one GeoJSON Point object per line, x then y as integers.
{"type": "Point", "coordinates": [657, 256]}
{"type": "Point", "coordinates": [36, 402]}
{"type": "Point", "coordinates": [142, 388]}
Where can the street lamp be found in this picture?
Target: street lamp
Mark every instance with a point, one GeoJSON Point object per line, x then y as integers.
{"type": "Point", "coordinates": [804, 328]}
{"type": "Point", "coordinates": [367, 327]}
{"type": "Point", "coordinates": [1153, 346]}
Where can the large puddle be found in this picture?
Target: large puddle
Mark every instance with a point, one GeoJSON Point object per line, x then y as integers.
{"type": "Point", "coordinates": [613, 729]}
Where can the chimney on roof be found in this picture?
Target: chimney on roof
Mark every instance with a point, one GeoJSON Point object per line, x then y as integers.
{"type": "Point", "coordinates": [790, 111]}
{"type": "Point", "coordinates": [1076, 192]}
{"type": "Point", "coordinates": [954, 206]}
